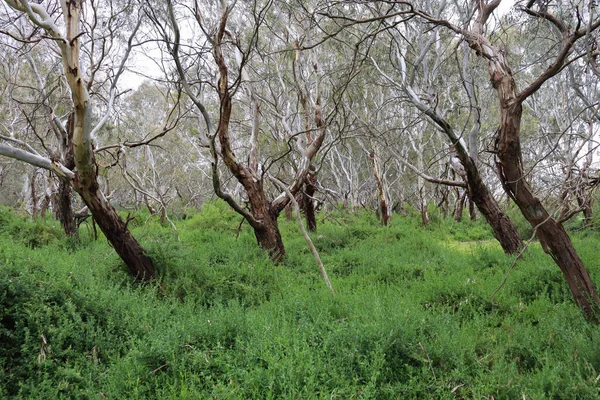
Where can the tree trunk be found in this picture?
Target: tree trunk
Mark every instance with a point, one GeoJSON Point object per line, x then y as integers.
{"type": "Point", "coordinates": [472, 211]}
{"type": "Point", "coordinates": [269, 238]}
{"type": "Point", "coordinates": [460, 205]}
{"type": "Point", "coordinates": [116, 231]}
{"type": "Point", "coordinates": [308, 203]}
{"type": "Point", "coordinates": [503, 228]}
{"type": "Point", "coordinates": [552, 235]}
{"type": "Point", "coordinates": [288, 212]}
{"type": "Point", "coordinates": [424, 214]}
{"type": "Point", "coordinates": [34, 203]}
{"type": "Point", "coordinates": [504, 231]}
{"type": "Point", "coordinates": [383, 206]}
{"type": "Point", "coordinates": [64, 208]}
{"type": "Point", "coordinates": [585, 203]}
{"type": "Point", "coordinates": [265, 224]}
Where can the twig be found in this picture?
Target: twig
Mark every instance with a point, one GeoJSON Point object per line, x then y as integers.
{"type": "Point", "coordinates": [159, 368]}
{"type": "Point", "coordinates": [428, 361]}
{"type": "Point", "coordinates": [514, 263]}
{"type": "Point", "coordinates": [239, 229]}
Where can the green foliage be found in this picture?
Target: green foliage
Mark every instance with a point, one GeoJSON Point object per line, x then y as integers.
{"type": "Point", "coordinates": [30, 232]}
{"type": "Point", "coordinates": [215, 216]}
{"type": "Point", "coordinates": [413, 316]}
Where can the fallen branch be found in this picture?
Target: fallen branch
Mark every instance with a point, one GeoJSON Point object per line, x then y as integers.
{"type": "Point", "coordinates": [308, 239]}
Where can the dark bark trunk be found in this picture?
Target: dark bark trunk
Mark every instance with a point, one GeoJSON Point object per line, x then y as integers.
{"type": "Point", "coordinates": [34, 204]}
{"type": "Point", "coordinates": [269, 238]}
{"type": "Point", "coordinates": [148, 205]}
{"type": "Point", "coordinates": [116, 231]}
{"type": "Point", "coordinates": [288, 212]}
{"type": "Point", "coordinates": [266, 231]}
{"type": "Point", "coordinates": [443, 203]}
{"type": "Point", "coordinates": [504, 230]}
{"type": "Point", "coordinates": [472, 211]}
{"type": "Point", "coordinates": [64, 208]}
{"type": "Point", "coordinates": [424, 215]}
{"type": "Point", "coordinates": [308, 204]}
{"type": "Point", "coordinates": [63, 199]}
{"type": "Point", "coordinates": [460, 205]}
{"type": "Point", "coordinates": [552, 235]}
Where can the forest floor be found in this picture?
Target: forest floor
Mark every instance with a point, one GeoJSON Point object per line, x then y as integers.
{"type": "Point", "coordinates": [413, 316]}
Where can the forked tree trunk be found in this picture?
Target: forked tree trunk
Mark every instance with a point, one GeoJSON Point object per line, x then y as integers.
{"type": "Point", "coordinates": [266, 231]}
{"type": "Point", "coordinates": [269, 238]}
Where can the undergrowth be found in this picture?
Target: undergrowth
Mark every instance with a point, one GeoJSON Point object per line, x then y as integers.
{"type": "Point", "coordinates": [413, 317]}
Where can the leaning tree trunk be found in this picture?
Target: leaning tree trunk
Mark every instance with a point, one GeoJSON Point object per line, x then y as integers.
{"type": "Point", "coordinates": [115, 230]}
{"type": "Point", "coordinates": [552, 235]}
{"type": "Point", "coordinates": [504, 230]}
{"type": "Point", "coordinates": [85, 181]}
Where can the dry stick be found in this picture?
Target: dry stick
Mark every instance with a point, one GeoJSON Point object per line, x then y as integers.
{"type": "Point", "coordinates": [308, 240]}
{"type": "Point", "coordinates": [159, 368]}
{"type": "Point", "coordinates": [428, 361]}
{"type": "Point", "coordinates": [514, 263]}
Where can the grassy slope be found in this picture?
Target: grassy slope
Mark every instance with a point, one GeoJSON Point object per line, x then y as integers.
{"type": "Point", "coordinates": [412, 319]}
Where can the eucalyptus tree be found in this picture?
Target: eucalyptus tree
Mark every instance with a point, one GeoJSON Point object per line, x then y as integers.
{"type": "Point", "coordinates": [585, 170]}
{"type": "Point", "coordinates": [147, 160]}
{"type": "Point", "coordinates": [226, 44]}
{"type": "Point", "coordinates": [86, 40]}
{"type": "Point", "coordinates": [571, 26]}
{"type": "Point", "coordinates": [558, 141]}
{"type": "Point", "coordinates": [416, 73]}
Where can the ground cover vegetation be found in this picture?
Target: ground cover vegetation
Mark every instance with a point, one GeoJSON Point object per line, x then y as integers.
{"type": "Point", "coordinates": [413, 316]}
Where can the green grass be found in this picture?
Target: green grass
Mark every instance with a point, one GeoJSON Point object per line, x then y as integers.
{"type": "Point", "coordinates": [413, 315]}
